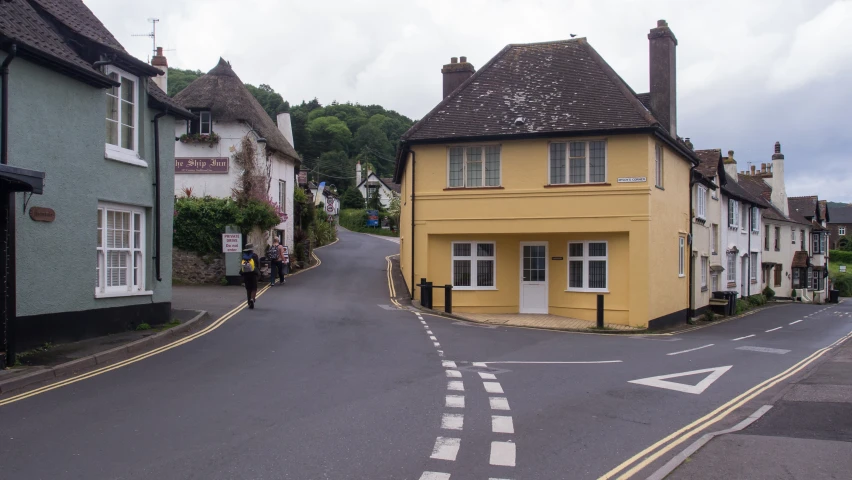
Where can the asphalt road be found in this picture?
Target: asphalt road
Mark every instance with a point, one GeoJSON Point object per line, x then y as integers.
{"type": "Point", "coordinates": [325, 380]}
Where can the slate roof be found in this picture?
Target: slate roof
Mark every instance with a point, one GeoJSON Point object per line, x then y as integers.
{"type": "Point", "coordinates": [76, 16]}
{"type": "Point", "coordinates": [709, 162]}
{"type": "Point", "coordinates": [223, 93]}
{"type": "Point", "coordinates": [159, 100]}
{"type": "Point", "coordinates": [733, 189]}
{"type": "Point", "coordinates": [555, 87]}
{"type": "Point", "coordinates": [37, 40]}
{"type": "Point", "coordinates": [822, 206]}
{"type": "Point", "coordinates": [841, 214]}
{"type": "Point", "coordinates": [805, 206]}
{"type": "Point", "coordinates": [388, 181]}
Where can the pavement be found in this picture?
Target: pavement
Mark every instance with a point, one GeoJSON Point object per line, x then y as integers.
{"type": "Point", "coordinates": [328, 379]}
{"type": "Point", "coordinates": [553, 322]}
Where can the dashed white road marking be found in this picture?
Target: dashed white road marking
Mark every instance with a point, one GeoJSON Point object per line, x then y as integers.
{"type": "Point", "coordinates": [453, 373]}
{"type": "Point", "coordinates": [480, 364]}
{"type": "Point", "coordinates": [452, 421]}
{"type": "Point", "coordinates": [485, 364]}
{"type": "Point", "coordinates": [502, 424]}
{"type": "Point", "coordinates": [436, 344]}
{"type": "Point", "coordinates": [487, 376]}
{"type": "Point", "coordinates": [690, 350]}
{"type": "Point", "coordinates": [432, 337]}
{"type": "Point", "coordinates": [498, 403]}
{"type": "Point", "coordinates": [448, 364]}
{"type": "Point", "coordinates": [793, 323]}
{"type": "Point", "coordinates": [435, 476]}
{"type": "Point", "coordinates": [455, 385]}
{"type": "Point", "coordinates": [773, 329]}
{"type": "Point", "coordinates": [503, 454]}
{"type": "Point", "coordinates": [454, 401]}
{"type": "Point", "coordinates": [428, 332]}
{"type": "Point", "coordinates": [742, 338]}
{"type": "Point", "coordinates": [446, 448]}
{"type": "Point", "coordinates": [778, 351]}
{"type": "Point", "coordinates": [493, 387]}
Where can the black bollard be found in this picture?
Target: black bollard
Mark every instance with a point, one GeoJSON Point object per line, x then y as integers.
{"type": "Point", "coordinates": [448, 298]}
{"type": "Point", "coordinates": [600, 311]}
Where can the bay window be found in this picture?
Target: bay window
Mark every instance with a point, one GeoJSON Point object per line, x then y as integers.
{"type": "Point", "coordinates": [587, 266]}
{"type": "Point", "coordinates": [120, 266]}
{"type": "Point", "coordinates": [474, 166]}
{"type": "Point", "coordinates": [473, 265]}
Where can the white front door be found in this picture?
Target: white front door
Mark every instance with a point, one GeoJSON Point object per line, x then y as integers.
{"type": "Point", "coordinates": [533, 277]}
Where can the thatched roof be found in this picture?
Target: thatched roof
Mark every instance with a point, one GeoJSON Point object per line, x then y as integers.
{"type": "Point", "coordinates": [222, 92]}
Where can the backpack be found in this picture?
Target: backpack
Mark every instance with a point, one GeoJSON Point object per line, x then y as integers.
{"type": "Point", "coordinates": [247, 265]}
{"type": "Point", "coordinates": [272, 254]}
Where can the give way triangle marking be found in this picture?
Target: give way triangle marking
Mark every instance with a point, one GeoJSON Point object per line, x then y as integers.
{"type": "Point", "coordinates": [661, 382]}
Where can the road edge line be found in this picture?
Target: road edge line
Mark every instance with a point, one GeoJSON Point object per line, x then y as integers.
{"type": "Point", "coordinates": [675, 462]}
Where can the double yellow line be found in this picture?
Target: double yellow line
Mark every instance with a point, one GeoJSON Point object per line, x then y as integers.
{"type": "Point", "coordinates": [213, 326]}
{"type": "Point", "coordinates": [646, 457]}
{"type": "Point", "coordinates": [391, 288]}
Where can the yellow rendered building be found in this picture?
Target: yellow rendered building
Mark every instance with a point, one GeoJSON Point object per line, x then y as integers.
{"type": "Point", "coordinates": [542, 181]}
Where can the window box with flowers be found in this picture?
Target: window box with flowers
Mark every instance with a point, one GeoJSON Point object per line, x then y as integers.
{"type": "Point", "coordinates": [208, 138]}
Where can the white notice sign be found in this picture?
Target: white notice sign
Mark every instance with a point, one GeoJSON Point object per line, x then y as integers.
{"type": "Point", "coordinates": [632, 179]}
{"type": "Point", "coordinates": [232, 243]}
{"type": "Point", "coordinates": [843, 269]}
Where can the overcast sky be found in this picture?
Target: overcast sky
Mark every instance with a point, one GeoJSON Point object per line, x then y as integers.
{"type": "Point", "coordinates": [749, 72]}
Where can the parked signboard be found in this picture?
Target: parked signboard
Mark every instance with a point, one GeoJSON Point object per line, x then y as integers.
{"type": "Point", "coordinates": [232, 243]}
{"type": "Point", "coordinates": [372, 218]}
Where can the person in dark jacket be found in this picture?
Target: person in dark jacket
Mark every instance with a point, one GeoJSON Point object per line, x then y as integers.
{"type": "Point", "coordinates": [250, 270]}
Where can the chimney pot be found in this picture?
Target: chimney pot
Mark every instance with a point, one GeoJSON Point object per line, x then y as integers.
{"type": "Point", "coordinates": [753, 167]}
{"type": "Point", "coordinates": [159, 51]}
{"type": "Point", "coordinates": [454, 60]}
{"type": "Point", "coordinates": [777, 147]}
{"type": "Point", "coordinates": [731, 154]}
{"type": "Point", "coordinates": [662, 23]}
{"type": "Point", "coordinates": [455, 74]}
{"type": "Point", "coordinates": [463, 59]}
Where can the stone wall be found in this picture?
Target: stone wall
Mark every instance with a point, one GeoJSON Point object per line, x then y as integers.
{"type": "Point", "coordinates": [191, 268]}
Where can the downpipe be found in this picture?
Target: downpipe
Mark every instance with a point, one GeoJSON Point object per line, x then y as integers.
{"type": "Point", "coordinates": [11, 293]}
{"type": "Point", "coordinates": [157, 201]}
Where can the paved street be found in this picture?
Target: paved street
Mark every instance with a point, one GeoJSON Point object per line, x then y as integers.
{"type": "Point", "coordinates": [326, 380]}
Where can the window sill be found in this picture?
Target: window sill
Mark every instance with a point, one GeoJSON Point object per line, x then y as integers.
{"type": "Point", "coordinates": [124, 294]}
{"type": "Point", "coordinates": [732, 284]}
{"type": "Point", "coordinates": [473, 188]}
{"type": "Point", "coordinates": [563, 185]}
{"type": "Point", "coordinates": [587, 290]}
{"type": "Point", "coordinates": [681, 275]}
{"type": "Point", "coordinates": [457, 289]}
{"type": "Point", "coordinates": [123, 155]}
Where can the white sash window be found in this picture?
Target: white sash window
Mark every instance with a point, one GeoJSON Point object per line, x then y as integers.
{"type": "Point", "coordinates": [120, 250]}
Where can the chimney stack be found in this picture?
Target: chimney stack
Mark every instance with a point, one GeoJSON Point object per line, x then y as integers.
{"type": "Point", "coordinates": [779, 191]}
{"type": "Point", "coordinates": [159, 61]}
{"type": "Point", "coordinates": [285, 126]}
{"type": "Point", "coordinates": [358, 173]}
{"type": "Point", "coordinates": [662, 43]}
{"type": "Point", "coordinates": [455, 73]}
{"type": "Point", "coordinates": [762, 168]}
{"type": "Point", "coordinates": [752, 169]}
{"type": "Point", "coordinates": [730, 165]}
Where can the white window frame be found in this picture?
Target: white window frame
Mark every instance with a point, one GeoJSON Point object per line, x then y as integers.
{"type": "Point", "coordinates": [474, 259]}
{"type": "Point", "coordinates": [733, 213]}
{"type": "Point", "coordinates": [743, 216]}
{"type": "Point", "coordinates": [566, 180]}
{"type": "Point", "coordinates": [705, 262]}
{"type": "Point", "coordinates": [841, 231]}
{"type": "Point", "coordinates": [116, 152]}
{"type": "Point", "coordinates": [777, 245]}
{"type": "Point", "coordinates": [282, 195]}
{"type": "Point", "coordinates": [682, 252]}
{"type": "Point", "coordinates": [766, 237]}
{"type": "Point", "coordinates": [701, 211]}
{"type": "Point", "coordinates": [714, 232]}
{"type": "Point", "coordinates": [484, 161]}
{"type": "Point", "coordinates": [815, 243]}
{"type": "Point", "coordinates": [755, 219]}
{"type": "Point", "coordinates": [732, 267]}
{"type": "Point", "coordinates": [201, 116]}
{"type": "Point", "coordinates": [659, 166]}
{"type": "Point", "coordinates": [586, 258]}
{"type": "Point", "coordinates": [753, 260]}
{"type": "Point", "coordinates": [793, 234]}
{"type": "Point", "coordinates": [136, 282]}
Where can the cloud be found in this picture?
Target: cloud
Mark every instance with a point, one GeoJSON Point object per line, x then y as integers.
{"type": "Point", "coordinates": [748, 74]}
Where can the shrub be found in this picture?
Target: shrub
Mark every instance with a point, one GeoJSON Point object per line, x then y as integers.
{"type": "Point", "coordinates": [352, 198]}
{"type": "Point", "coordinates": [709, 316]}
{"type": "Point", "coordinates": [200, 222]}
{"type": "Point", "coordinates": [742, 306]}
{"type": "Point", "coordinates": [843, 283]}
{"type": "Point", "coordinates": [840, 257]}
{"type": "Point", "coordinates": [768, 293]}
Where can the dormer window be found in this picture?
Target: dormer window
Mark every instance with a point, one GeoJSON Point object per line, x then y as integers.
{"type": "Point", "coordinates": [203, 125]}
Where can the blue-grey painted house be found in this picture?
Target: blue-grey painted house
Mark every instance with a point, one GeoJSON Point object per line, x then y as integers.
{"type": "Point", "coordinates": [86, 184]}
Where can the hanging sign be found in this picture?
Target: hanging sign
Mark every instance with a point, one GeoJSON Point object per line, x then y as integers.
{"type": "Point", "coordinates": [201, 165]}
{"type": "Point", "coordinates": [42, 214]}
{"type": "Point", "coordinates": [232, 243]}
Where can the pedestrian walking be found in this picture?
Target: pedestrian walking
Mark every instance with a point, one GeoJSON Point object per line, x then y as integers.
{"type": "Point", "coordinates": [286, 260]}
{"type": "Point", "coordinates": [250, 271]}
{"type": "Point", "coordinates": [277, 258]}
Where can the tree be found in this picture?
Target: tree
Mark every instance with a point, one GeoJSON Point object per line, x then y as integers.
{"type": "Point", "coordinates": [328, 134]}
{"type": "Point", "coordinates": [269, 99]}
{"type": "Point", "coordinates": [352, 198]}
{"type": "Point", "coordinates": [179, 79]}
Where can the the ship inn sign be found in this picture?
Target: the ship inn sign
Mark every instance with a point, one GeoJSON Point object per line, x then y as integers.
{"type": "Point", "coordinates": [201, 165]}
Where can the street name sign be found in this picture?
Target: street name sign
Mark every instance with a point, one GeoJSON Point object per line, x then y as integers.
{"type": "Point", "coordinates": [632, 179]}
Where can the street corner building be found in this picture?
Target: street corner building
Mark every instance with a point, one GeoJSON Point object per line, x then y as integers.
{"type": "Point", "coordinates": [227, 113]}
{"type": "Point", "coordinates": [89, 247]}
{"type": "Point", "coordinates": [542, 181]}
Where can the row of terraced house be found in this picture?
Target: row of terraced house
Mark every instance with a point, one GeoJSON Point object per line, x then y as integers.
{"type": "Point", "coordinates": [542, 183]}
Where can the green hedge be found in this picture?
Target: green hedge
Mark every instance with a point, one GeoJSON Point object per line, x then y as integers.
{"type": "Point", "coordinates": [841, 257]}
{"type": "Point", "coordinates": [356, 221]}
{"type": "Point", "coordinates": [200, 222]}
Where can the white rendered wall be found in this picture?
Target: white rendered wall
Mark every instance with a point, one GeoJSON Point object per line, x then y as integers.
{"type": "Point", "coordinates": [212, 184]}
{"type": "Point", "coordinates": [739, 238]}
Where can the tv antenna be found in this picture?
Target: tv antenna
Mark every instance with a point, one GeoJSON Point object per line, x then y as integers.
{"type": "Point", "coordinates": [152, 35]}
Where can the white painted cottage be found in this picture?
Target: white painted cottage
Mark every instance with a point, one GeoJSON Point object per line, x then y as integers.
{"type": "Point", "coordinates": [371, 184]}
{"type": "Point", "coordinates": [227, 114]}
